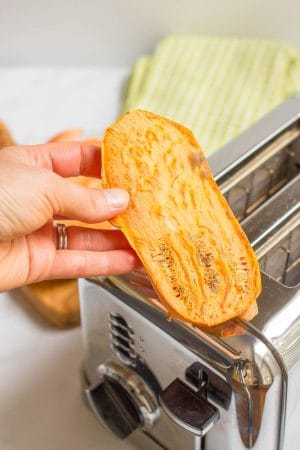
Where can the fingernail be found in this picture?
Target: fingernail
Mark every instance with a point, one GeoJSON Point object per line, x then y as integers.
{"type": "Point", "coordinates": [116, 198]}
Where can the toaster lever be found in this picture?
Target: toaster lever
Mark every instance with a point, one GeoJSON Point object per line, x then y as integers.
{"type": "Point", "coordinates": [209, 384]}
{"type": "Point", "coordinates": [187, 408]}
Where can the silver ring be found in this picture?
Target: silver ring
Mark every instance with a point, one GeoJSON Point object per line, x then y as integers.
{"type": "Point", "coordinates": [62, 236]}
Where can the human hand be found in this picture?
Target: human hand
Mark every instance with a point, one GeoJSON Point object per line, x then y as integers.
{"type": "Point", "coordinates": [33, 191]}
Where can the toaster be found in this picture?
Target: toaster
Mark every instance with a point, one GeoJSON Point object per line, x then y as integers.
{"type": "Point", "coordinates": [162, 383]}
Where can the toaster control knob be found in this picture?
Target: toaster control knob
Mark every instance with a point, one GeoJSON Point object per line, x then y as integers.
{"type": "Point", "coordinates": [188, 408]}
{"type": "Point", "coordinates": [121, 400]}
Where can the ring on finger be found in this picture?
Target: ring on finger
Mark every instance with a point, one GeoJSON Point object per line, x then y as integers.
{"type": "Point", "coordinates": [62, 236]}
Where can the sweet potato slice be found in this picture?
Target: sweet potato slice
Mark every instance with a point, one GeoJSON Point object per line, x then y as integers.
{"type": "Point", "coordinates": [193, 248]}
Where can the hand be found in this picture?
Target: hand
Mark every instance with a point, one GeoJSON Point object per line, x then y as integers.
{"type": "Point", "coordinates": [33, 191]}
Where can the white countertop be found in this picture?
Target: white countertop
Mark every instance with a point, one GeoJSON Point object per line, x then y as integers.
{"type": "Point", "coordinates": [41, 406]}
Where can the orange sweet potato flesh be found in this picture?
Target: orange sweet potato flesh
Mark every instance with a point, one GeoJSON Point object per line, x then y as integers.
{"type": "Point", "coordinates": [197, 256]}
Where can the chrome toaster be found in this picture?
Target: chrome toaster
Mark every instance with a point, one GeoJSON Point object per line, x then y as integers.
{"type": "Point", "coordinates": [165, 384]}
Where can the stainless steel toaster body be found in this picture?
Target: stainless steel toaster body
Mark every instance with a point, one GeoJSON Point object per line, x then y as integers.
{"type": "Point", "coordinates": [169, 385]}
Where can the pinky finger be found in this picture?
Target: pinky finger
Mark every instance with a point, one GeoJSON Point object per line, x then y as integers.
{"type": "Point", "coordinates": [76, 264]}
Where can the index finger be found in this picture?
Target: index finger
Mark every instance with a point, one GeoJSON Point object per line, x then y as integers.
{"type": "Point", "coordinates": [67, 159]}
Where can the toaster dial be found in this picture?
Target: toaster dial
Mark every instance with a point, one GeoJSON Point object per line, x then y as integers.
{"type": "Point", "coordinates": [122, 400]}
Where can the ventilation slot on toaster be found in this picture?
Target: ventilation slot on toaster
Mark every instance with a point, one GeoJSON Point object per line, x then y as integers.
{"type": "Point", "coordinates": [122, 339]}
{"type": "Point", "coordinates": [266, 171]}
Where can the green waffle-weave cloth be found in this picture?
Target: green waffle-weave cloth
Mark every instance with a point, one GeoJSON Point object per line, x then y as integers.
{"type": "Point", "coordinates": [217, 87]}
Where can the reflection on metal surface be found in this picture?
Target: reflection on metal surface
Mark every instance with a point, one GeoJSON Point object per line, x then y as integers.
{"type": "Point", "coordinates": [250, 398]}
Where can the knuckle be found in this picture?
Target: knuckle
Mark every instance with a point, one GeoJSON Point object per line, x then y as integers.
{"type": "Point", "coordinates": [52, 189]}
{"type": "Point", "coordinates": [7, 229]}
{"type": "Point", "coordinates": [95, 200]}
{"type": "Point", "coordinates": [106, 263]}
{"type": "Point", "coordinates": [88, 241]}
{"type": "Point", "coordinates": [82, 239]}
{"type": "Point", "coordinates": [82, 265]}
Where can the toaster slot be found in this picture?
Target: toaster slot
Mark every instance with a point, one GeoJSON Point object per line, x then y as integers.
{"type": "Point", "coordinates": [281, 257]}
{"type": "Point", "coordinates": [266, 171]}
{"type": "Point", "coordinates": [274, 231]}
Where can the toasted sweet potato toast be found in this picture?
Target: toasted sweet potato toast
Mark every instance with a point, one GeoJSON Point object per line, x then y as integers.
{"type": "Point", "coordinates": [193, 248]}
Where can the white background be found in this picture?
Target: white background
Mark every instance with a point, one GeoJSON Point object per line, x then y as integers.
{"type": "Point", "coordinates": [117, 31]}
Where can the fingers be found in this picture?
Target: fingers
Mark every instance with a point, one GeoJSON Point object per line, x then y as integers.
{"type": "Point", "coordinates": [85, 204]}
{"type": "Point", "coordinates": [67, 159]}
{"type": "Point", "coordinates": [99, 253]}
{"type": "Point", "coordinates": [76, 264]}
{"type": "Point", "coordinates": [94, 240]}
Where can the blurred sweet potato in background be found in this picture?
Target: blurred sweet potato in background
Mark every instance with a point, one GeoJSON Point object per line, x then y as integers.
{"type": "Point", "coordinates": [6, 138]}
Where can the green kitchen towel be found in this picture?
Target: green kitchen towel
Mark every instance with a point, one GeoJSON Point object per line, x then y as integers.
{"type": "Point", "coordinates": [215, 86]}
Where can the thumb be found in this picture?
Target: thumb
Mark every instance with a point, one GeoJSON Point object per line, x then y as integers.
{"type": "Point", "coordinates": [86, 204]}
